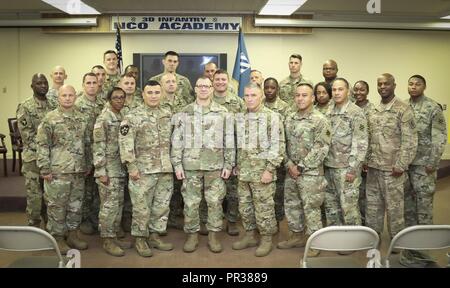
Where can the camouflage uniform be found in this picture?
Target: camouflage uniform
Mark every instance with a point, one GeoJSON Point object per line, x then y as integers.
{"type": "Point", "coordinates": [145, 148]}
{"type": "Point", "coordinates": [52, 95]}
{"type": "Point", "coordinates": [183, 84]}
{"type": "Point", "coordinates": [29, 115]}
{"type": "Point", "coordinates": [348, 148]}
{"type": "Point", "coordinates": [392, 143]}
{"type": "Point", "coordinates": [288, 86]}
{"type": "Point", "coordinates": [283, 109]}
{"type": "Point", "coordinates": [304, 196]}
{"type": "Point", "coordinates": [261, 147]}
{"type": "Point", "coordinates": [91, 201]}
{"type": "Point", "coordinates": [362, 187]}
{"type": "Point", "coordinates": [432, 138]}
{"type": "Point", "coordinates": [323, 109]}
{"type": "Point", "coordinates": [64, 151]}
{"type": "Point", "coordinates": [107, 163]}
{"type": "Point", "coordinates": [175, 105]}
{"type": "Point", "coordinates": [111, 81]}
{"type": "Point", "coordinates": [130, 106]}
{"type": "Point", "coordinates": [234, 105]}
{"type": "Point", "coordinates": [203, 145]}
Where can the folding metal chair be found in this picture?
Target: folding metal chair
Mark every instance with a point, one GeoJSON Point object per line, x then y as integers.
{"type": "Point", "coordinates": [419, 237]}
{"type": "Point", "coordinates": [342, 238]}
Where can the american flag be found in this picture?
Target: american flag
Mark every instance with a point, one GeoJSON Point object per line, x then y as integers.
{"type": "Point", "coordinates": [119, 47]}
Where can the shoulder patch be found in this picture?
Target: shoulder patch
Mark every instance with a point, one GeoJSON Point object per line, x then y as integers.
{"type": "Point", "coordinates": [124, 129]}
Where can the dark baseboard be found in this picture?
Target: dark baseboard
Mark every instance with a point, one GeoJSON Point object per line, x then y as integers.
{"type": "Point", "coordinates": [13, 204]}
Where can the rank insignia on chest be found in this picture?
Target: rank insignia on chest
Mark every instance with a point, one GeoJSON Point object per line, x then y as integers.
{"type": "Point", "coordinates": [124, 129]}
{"type": "Point", "coordinates": [24, 122]}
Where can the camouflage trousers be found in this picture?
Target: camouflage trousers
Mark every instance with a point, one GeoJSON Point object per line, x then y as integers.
{"type": "Point", "coordinates": [257, 207]}
{"type": "Point", "coordinates": [384, 193]}
{"type": "Point", "coordinates": [91, 201]}
{"type": "Point", "coordinates": [302, 200]}
{"type": "Point", "coordinates": [34, 186]}
{"type": "Point", "coordinates": [362, 197]}
{"type": "Point", "coordinates": [111, 205]}
{"type": "Point", "coordinates": [279, 194]}
{"type": "Point", "coordinates": [341, 198]}
{"type": "Point", "coordinates": [150, 197]}
{"type": "Point", "coordinates": [419, 193]}
{"type": "Point", "coordinates": [64, 196]}
{"type": "Point", "coordinates": [231, 199]}
{"type": "Point", "coordinates": [212, 186]}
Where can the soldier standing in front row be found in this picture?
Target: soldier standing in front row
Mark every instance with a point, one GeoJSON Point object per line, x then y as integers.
{"type": "Point", "coordinates": [145, 149]}
{"type": "Point", "coordinates": [432, 137]}
{"type": "Point", "coordinates": [261, 146]}
{"type": "Point", "coordinates": [29, 115]}
{"type": "Point", "coordinates": [392, 147]}
{"type": "Point", "coordinates": [304, 187]}
{"type": "Point", "coordinates": [62, 156]}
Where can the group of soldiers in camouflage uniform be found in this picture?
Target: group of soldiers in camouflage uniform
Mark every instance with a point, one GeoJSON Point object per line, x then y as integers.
{"type": "Point", "coordinates": [114, 152]}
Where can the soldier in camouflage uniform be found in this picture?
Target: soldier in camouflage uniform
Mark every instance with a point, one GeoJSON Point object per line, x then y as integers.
{"type": "Point", "coordinates": [392, 147]}
{"type": "Point", "coordinates": [261, 148]}
{"type": "Point", "coordinates": [290, 83]}
{"type": "Point", "coordinates": [234, 105]}
{"type": "Point", "coordinates": [145, 149]}
{"type": "Point", "coordinates": [203, 155]}
{"type": "Point", "coordinates": [90, 106]}
{"type": "Point", "coordinates": [58, 76]}
{"type": "Point", "coordinates": [133, 70]}
{"type": "Point", "coordinates": [171, 62]}
{"type": "Point", "coordinates": [348, 148]}
{"type": "Point", "coordinates": [111, 62]}
{"type": "Point", "coordinates": [329, 71]}
{"type": "Point", "coordinates": [209, 69]}
{"type": "Point", "coordinates": [322, 93]}
{"type": "Point", "coordinates": [110, 173]}
{"type": "Point", "coordinates": [274, 103]}
{"type": "Point", "coordinates": [305, 183]}
{"type": "Point", "coordinates": [29, 115]}
{"type": "Point", "coordinates": [100, 72]}
{"type": "Point", "coordinates": [256, 77]}
{"type": "Point", "coordinates": [360, 92]}
{"type": "Point", "coordinates": [63, 156]}
{"type": "Point", "coordinates": [432, 138]}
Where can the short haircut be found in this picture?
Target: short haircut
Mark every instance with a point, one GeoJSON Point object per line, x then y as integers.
{"type": "Point", "coordinates": [97, 67]}
{"type": "Point", "coordinates": [305, 84]}
{"type": "Point", "coordinates": [211, 62]}
{"type": "Point", "coordinates": [324, 85]}
{"type": "Point", "coordinates": [129, 74]}
{"type": "Point", "coordinates": [252, 85]}
{"type": "Point", "coordinates": [221, 71]}
{"type": "Point", "coordinates": [419, 77]}
{"type": "Point", "coordinates": [171, 53]}
{"type": "Point", "coordinates": [151, 83]}
{"type": "Point", "coordinates": [89, 74]}
{"type": "Point", "coordinates": [203, 78]}
{"type": "Point", "coordinates": [298, 56]}
{"type": "Point", "coordinates": [254, 70]}
{"type": "Point", "coordinates": [109, 52]}
{"type": "Point", "coordinates": [364, 83]}
{"type": "Point", "coordinates": [109, 95]}
{"type": "Point", "coordinates": [389, 76]}
{"type": "Point", "coordinates": [271, 79]}
{"type": "Point", "coordinates": [341, 79]}
{"type": "Point", "coordinates": [130, 66]}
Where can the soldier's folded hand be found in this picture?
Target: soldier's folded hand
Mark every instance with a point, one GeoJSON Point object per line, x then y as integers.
{"type": "Point", "coordinates": [266, 177]}
{"type": "Point", "coordinates": [397, 172]}
{"type": "Point", "coordinates": [104, 180]}
{"type": "Point", "coordinates": [429, 169]}
{"type": "Point", "coordinates": [134, 175]}
{"type": "Point", "coordinates": [225, 174]}
{"type": "Point", "coordinates": [293, 171]}
{"type": "Point", "coordinates": [48, 177]}
{"type": "Point", "coordinates": [180, 175]}
{"type": "Point", "coordinates": [349, 177]}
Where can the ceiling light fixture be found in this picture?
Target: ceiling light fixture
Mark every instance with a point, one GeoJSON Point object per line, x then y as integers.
{"type": "Point", "coordinates": [73, 7]}
{"type": "Point", "coordinates": [281, 7]}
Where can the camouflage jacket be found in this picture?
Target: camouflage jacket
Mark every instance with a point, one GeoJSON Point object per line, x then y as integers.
{"type": "Point", "coordinates": [278, 106]}
{"type": "Point", "coordinates": [111, 81]}
{"type": "Point", "coordinates": [52, 95]}
{"type": "Point", "coordinates": [323, 109]}
{"type": "Point", "coordinates": [366, 108]}
{"type": "Point", "coordinates": [431, 130]}
{"type": "Point", "coordinates": [144, 140]}
{"type": "Point", "coordinates": [349, 137]}
{"type": "Point", "coordinates": [106, 145]}
{"type": "Point", "coordinates": [203, 139]}
{"type": "Point", "coordinates": [184, 86]}
{"type": "Point", "coordinates": [232, 102]}
{"type": "Point", "coordinates": [63, 143]}
{"type": "Point", "coordinates": [392, 136]}
{"type": "Point", "coordinates": [29, 115]}
{"type": "Point", "coordinates": [260, 143]}
{"type": "Point", "coordinates": [308, 139]}
{"type": "Point", "coordinates": [175, 105]}
{"type": "Point", "coordinates": [288, 86]}
{"type": "Point", "coordinates": [135, 103]}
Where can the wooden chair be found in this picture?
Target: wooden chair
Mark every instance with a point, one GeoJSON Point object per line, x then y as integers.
{"type": "Point", "coordinates": [16, 142]}
{"type": "Point", "coordinates": [3, 151]}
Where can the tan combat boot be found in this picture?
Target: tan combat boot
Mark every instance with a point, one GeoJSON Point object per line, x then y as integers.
{"type": "Point", "coordinates": [142, 247]}
{"type": "Point", "coordinates": [155, 242]}
{"type": "Point", "coordinates": [265, 246]}
{"type": "Point", "coordinates": [214, 243]}
{"type": "Point", "coordinates": [87, 228]}
{"type": "Point", "coordinates": [191, 243]}
{"type": "Point", "coordinates": [295, 240]}
{"type": "Point", "coordinates": [122, 243]}
{"type": "Point", "coordinates": [232, 229]}
{"type": "Point", "coordinates": [120, 233]}
{"type": "Point", "coordinates": [313, 252]}
{"type": "Point", "coordinates": [62, 245]}
{"type": "Point", "coordinates": [247, 241]}
{"type": "Point", "coordinates": [74, 242]}
{"type": "Point", "coordinates": [112, 248]}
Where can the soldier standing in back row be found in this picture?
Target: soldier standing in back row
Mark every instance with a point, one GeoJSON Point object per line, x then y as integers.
{"type": "Point", "coordinates": [29, 115]}
{"type": "Point", "coordinates": [290, 83]}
